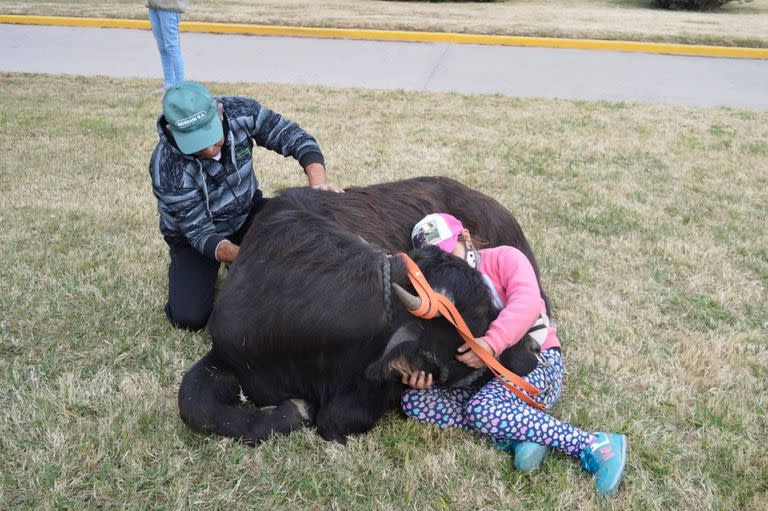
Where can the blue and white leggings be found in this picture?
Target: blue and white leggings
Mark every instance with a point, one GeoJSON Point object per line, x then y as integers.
{"type": "Point", "coordinates": [500, 415]}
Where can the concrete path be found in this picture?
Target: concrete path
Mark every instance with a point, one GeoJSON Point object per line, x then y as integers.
{"type": "Point", "coordinates": [438, 67]}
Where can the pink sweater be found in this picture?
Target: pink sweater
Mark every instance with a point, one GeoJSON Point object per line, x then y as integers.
{"type": "Point", "coordinates": [515, 282]}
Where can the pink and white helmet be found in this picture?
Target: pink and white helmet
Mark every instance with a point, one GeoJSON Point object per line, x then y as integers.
{"type": "Point", "coordinates": [439, 229]}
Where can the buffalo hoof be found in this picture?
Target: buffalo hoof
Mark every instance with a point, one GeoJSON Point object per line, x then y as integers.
{"type": "Point", "coordinates": [279, 420]}
{"type": "Point", "coordinates": [303, 410]}
{"type": "Point", "coordinates": [291, 414]}
{"type": "Point", "coordinates": [290, 410]}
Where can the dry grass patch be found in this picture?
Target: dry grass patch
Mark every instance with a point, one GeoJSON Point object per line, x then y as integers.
{"type": "Point", "coordinates": [648, 223]}
{"type": "Point", "coordinates": [738, 23]}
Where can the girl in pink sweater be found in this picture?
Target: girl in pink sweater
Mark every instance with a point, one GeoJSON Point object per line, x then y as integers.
{"type": "Point", "coordinates": [491, 409]}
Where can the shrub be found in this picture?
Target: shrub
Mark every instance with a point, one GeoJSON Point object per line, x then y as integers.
{"type": "Point", "coordinates": [691, 5]}
{"type": "Point", "coordinates": [443, 1]}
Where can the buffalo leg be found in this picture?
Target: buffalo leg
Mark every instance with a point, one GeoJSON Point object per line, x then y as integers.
{"type": "Point", "coordinates": [209, 402]}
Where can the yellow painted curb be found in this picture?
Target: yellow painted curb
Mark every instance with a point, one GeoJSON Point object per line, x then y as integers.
{"type": "Point", "coordinates": [399, 35]}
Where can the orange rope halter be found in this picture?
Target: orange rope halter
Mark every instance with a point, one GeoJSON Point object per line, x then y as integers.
{"type": "Point", "coordinates": [434, 303]}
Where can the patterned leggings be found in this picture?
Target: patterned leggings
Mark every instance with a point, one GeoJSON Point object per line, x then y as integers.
{"type": "Point", "coordinates": [497, 413]}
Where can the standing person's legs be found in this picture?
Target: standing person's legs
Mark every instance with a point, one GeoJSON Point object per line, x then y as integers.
{"type": "Point", "coordinates": [171, 22]}
{"type": "Point", "coordinates": [191, 286]}
{"type": "Point", "coordinates": [165, 27]}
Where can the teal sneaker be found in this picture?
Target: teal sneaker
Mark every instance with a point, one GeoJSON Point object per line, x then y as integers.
{"type": "Point", "coordinates": [528, 455]}
{"type": "Point", "coordinates": [606, 457]}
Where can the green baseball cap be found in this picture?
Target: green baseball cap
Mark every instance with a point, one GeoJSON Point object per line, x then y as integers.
{"type": "Point", "coordinates": [193, 115]}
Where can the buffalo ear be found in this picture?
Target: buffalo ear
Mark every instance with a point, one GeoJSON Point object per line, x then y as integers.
{"type": "Point", "coordinates": [392, 366]}
{"type": "Point", "coordinates": [389, 365]}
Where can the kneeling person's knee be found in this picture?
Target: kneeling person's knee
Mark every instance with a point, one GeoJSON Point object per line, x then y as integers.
{"type": "Point", "coordinates": [188, 319]}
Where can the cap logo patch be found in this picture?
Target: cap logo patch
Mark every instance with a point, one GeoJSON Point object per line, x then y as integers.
{"type": "Point", "coordinates": [439, 229]}
{"type": "Point", "coordinates": [181, 123]}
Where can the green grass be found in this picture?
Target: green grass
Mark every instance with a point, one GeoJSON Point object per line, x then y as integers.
{"type": "Point", "coordinates": [736, 24]}
{"type": "Point", "coordinates": [649, 224]}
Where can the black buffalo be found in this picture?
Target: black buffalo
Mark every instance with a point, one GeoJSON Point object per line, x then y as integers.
{"type": "Point", "coordinates": [306, 326]}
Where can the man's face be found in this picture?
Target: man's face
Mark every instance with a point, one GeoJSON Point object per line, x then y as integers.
{"type": "Point", "coordinates": [214, 150]}
{"type": "Point", "coordinates": [210, 151]}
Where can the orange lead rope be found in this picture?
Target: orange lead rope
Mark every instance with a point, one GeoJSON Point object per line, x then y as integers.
{"type": "Point", "coordinates": [433, 303]}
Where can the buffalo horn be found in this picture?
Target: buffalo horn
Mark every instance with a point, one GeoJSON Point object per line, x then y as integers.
{"type": "Point", "coordinates": [412, 302]}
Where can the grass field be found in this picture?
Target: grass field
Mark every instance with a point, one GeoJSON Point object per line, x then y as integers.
{"type": "Point", "coordinates": [736, 24]}
{"type": "Point", "coordinates": [649, 224]}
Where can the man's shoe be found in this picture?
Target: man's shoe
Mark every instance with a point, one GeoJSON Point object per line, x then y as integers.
{"type": "Point", "coordinates": [606, 457]}
{"type": "Point", "coordinates": [528, 455]}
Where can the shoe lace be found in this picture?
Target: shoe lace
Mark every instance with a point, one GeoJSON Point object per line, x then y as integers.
{"type": "Point", "coordinates": [589, 461]}
{"type": "Point", "coordinates": [596, 453]}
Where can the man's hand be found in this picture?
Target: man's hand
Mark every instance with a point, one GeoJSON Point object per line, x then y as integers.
{"type": "Point", "coordinates": [226, 251]}
{"type": "Point", "coordinates": [318, 179]}
{"type": "Point", "coordinates": [470, 358]}
{"type": "Point", "coordinates": [417, 380]}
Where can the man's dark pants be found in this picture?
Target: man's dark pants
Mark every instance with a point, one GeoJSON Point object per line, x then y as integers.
{"type": "Point", "coordinates": [192, 278]}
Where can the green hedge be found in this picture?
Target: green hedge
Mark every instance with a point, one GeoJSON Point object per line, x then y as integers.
{"type": "Point", "coordinates": [691, 5]}
{"type": "Point", "coordinates": [688, 5]}
{"type": "Point", "coordinates": [437, 1]}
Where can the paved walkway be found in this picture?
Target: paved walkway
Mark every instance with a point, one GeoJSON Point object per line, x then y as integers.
{"type": "Point", "coordinates": [437, 67]}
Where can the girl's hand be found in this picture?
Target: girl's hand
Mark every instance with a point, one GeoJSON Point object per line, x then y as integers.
{"type": "Point", "coordinates": [469, 357]}
{"type": "Point", "coordinates": [417, 380]}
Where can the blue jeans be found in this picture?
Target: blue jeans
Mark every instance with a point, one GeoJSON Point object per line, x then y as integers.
{"type": "Point", "coordinates": [165, 27]}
